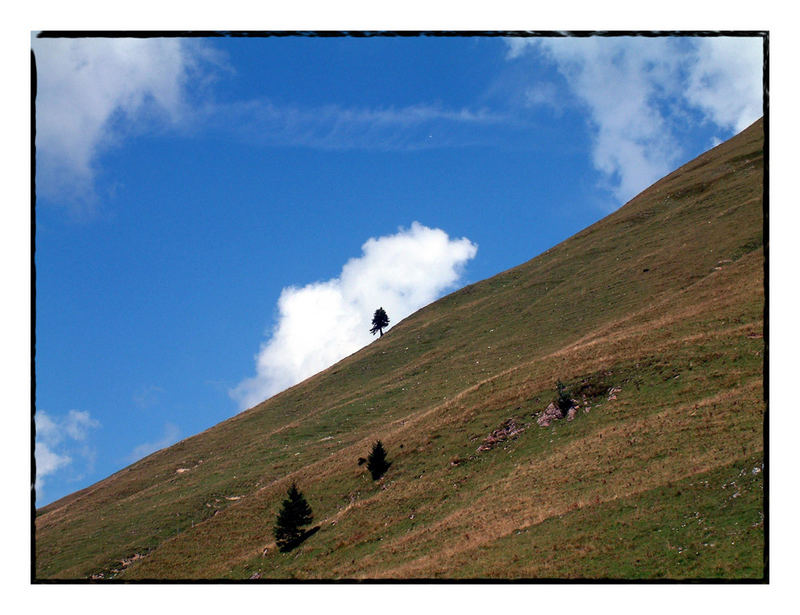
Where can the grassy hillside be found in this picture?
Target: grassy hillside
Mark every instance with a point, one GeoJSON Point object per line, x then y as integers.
{"type": "Point", "coordinates": [653, 318]}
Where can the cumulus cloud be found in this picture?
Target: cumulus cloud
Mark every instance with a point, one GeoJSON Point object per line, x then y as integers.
{"type": "Point", "coordinates": [170, 435]}
{"type": "Point", "coordinates": [93, 92]}
{"type": "Point", "coordinates": [641, 92]}
{"type": "Point", "coordinates": [323, 322]}
{"type": "Point", "coordinates": [60, 441]}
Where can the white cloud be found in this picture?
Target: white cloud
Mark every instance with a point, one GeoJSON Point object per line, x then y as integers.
{"type": "Point", "coordinates": [57, 439]}
{"type": "Point", "coordinates": [47, 462]}
{"type": "Point", "coordinates": [46, 429]}
{"type": "Point", "coordinates": [518, 46]}
{"type": "Point", "coordinates": [323, 322]}
{"type": "Point", "coordinates": [92, 92]}
{"type": "Point", "coordinates": [171, 435]}
{"type": "Point", "coordinates": [726, 80]}
{"type": "Point", "coordinates": [78, 423]}
{"type": "Point", "coordinates": [640, 93]}
{"type": "Point", "coordinates": [545, 94]}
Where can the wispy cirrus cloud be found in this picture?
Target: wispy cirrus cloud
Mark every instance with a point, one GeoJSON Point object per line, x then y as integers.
{"type": "Point", "coordinates": [642, 92]}
{"type": "Point", "coordinates": [337, 127]}
{"type": "Point", "coordinates": [323, 322]}
{"type": "Point", "coordinates": [147, 396]}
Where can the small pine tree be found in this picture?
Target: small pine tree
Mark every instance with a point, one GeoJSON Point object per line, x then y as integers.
{"type": "Point", "coordinates": [380, 320]}
{"type": "Point", "coordinates": [564, 401]}
{"type": "Point", "coordinates": [376, 461]}
{"type": "Point", "coordinates": [294, 514]}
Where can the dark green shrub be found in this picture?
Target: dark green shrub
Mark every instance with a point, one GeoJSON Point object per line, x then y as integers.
{"type": "Point", "coordinates": [376, 461]}
{"type": "Point", "coordinates": [564, 401]}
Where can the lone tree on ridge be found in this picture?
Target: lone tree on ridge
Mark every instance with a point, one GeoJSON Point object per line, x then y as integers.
{"type": "Point", "coordinates": [294, 514]}
{"type": "Point", "coordinates": [379, 321]}
{"type": "Point", "coordinates": [376, 461]}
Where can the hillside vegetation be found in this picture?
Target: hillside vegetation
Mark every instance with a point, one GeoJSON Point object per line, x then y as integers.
{"type": "Point", "coordinates": [652, 318]}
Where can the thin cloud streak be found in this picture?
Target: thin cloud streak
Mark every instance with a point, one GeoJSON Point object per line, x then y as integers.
{"type": "Point", "coordinates": [334, 127]}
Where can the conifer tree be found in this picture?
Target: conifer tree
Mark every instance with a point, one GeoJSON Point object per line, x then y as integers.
{"type": "Point", "coordinates": [380, 320]}
{"type": "Point", "coordinates": [376, 461]}
{"type": "Point", "coordinates": [564, 401]}
{"type": "Point", "coordinates": [294, 514]}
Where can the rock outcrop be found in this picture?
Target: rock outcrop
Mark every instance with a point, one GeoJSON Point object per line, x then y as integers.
{"type": "Point", "coordinates": [550, 414]}
{"type": "Point", "coordinates": [509, 429]}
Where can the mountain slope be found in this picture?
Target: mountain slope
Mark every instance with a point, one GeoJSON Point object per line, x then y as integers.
{"type": "Point", "coordinates": [661, 301]}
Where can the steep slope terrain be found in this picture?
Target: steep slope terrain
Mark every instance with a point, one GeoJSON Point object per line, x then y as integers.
{"type": "Point", "coordinates": [652, 318]}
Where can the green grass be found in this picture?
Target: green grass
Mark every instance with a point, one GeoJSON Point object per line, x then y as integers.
{"type": "Point", "coordinates": [709, 526]}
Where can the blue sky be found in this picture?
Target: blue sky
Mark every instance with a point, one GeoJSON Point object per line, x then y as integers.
{"type": "Point", "coordinates": [200, 200]}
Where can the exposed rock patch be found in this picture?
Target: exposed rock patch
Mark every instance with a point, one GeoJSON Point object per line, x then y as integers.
{"type": "Point", "coordinates": [129, 560]}
{"type": "Point", "coordinates": [509, 429]}
{"type": "Point", "coordinates": [571, 413]}
{"type": "Point", "coordinates": [114, 571]}
{"type": "Point", "coordinates": [552, 413]}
